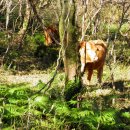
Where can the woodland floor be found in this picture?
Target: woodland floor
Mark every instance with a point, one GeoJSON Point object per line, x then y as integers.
{"type": "Point", "coordinates": [34, 76]}
{"type": "Point", "coordinates": [122, 83]}
{"type": "Point", "coordinates": [22, 77]}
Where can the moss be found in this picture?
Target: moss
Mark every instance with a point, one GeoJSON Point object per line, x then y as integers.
{"type": "Point", "coordinates": [72, 88]}
{"type": "Point", "coordinates": [25, 24]}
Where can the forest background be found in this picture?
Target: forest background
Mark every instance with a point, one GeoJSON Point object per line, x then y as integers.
{"type": "Point", "coordinates": [36, 91]}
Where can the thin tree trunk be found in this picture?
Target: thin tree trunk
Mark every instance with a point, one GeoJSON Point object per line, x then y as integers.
{"type": "Point", "coordinates": [8, 10]}
{"type": "Point", "coordinates": [19, 38]}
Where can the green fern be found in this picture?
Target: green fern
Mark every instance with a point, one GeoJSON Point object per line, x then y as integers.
{"type": "Point", "coordinates": [11, 110]}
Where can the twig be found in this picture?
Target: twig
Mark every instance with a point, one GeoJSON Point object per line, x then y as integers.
{"type": "Point", "coordinates": [48, 84]}
{"type": "Point", "coordinates": [90, 22]}
{"type": "Point", "coordinates": [7, 50]}
{"type": "Point", "coordinates": [3, 4]}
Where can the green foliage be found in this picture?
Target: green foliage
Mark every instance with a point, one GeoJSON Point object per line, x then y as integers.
{"type": "Point", "coordinates": [32, 42]}
{"type": "Point", "coordinates": [2, 18]}
{"type": "Point", "coordinates": [126, 117]}
{"type": "Point", "coordinates": [113, 28]}
{"type": "Point", "coordinates": [122, 52]}
{"type": "Point", "coordinates": [108, 118]}
{"type": "Point", "coordinates": [11, 58]}
{"type": "Point", "coordinates": [125, 28]}
{"type": "Point", "coordinates": [33, 50]}
{"type": "Point", "coordinates": [11, 110]}
{"type": "Point", "coordinates": [41, 101]}
{"type": "Point", "coordinates": [21, 109]}
{"type": "Point", "coordinates": [39, 38]}
{"type": "Point", "coordinates": [34, 45]}
{"type": "Point", "coordinates": [72, 88]}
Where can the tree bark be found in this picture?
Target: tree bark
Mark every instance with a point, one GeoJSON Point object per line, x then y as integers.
{"type": "Point", "coordinates": [19, 38]}
{"type": "Point", "coordinates": [68, 38]}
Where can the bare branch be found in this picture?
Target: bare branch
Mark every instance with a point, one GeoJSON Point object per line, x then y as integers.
{"type": "Point", "coordinates": [90, 22]}
{"type": "Point", "coordinates": [36, 14]}
{"type": "Point", "coordinates": [8, 10]}
{"type": "Point", "coordinates": [48, 84]}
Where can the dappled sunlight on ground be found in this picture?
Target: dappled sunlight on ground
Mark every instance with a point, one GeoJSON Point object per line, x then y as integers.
{"type": "Point", "coordinates": [120, 72]}
{"type": "Point", "coordinates": [32, 78]}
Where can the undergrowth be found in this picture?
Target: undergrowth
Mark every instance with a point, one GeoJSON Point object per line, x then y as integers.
{"type": "Point", "coordinates": [21, 108]}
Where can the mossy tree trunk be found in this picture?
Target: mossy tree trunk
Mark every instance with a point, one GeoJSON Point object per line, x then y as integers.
{"type": "Point", "coordinates": [68, 38]}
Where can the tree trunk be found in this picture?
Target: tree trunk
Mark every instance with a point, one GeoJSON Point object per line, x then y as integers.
{"type": "Point", "coordinates": [68, 38]}
{"type": "Point", "coordinates": [19, 38]}
{"type": "Point", "coordinates": [67, 31]}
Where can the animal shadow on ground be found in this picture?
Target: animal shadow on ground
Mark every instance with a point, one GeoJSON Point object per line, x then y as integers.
{"type": "Point", "coordinates": [120, 85]}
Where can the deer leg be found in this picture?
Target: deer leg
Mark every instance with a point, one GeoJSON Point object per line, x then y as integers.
{"type": "Point", "coordinates": [99, 74]}
{"type": "Point", "coordinates": [82, 68]}
{"type": "Point", "coordinates": [90, 72]}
